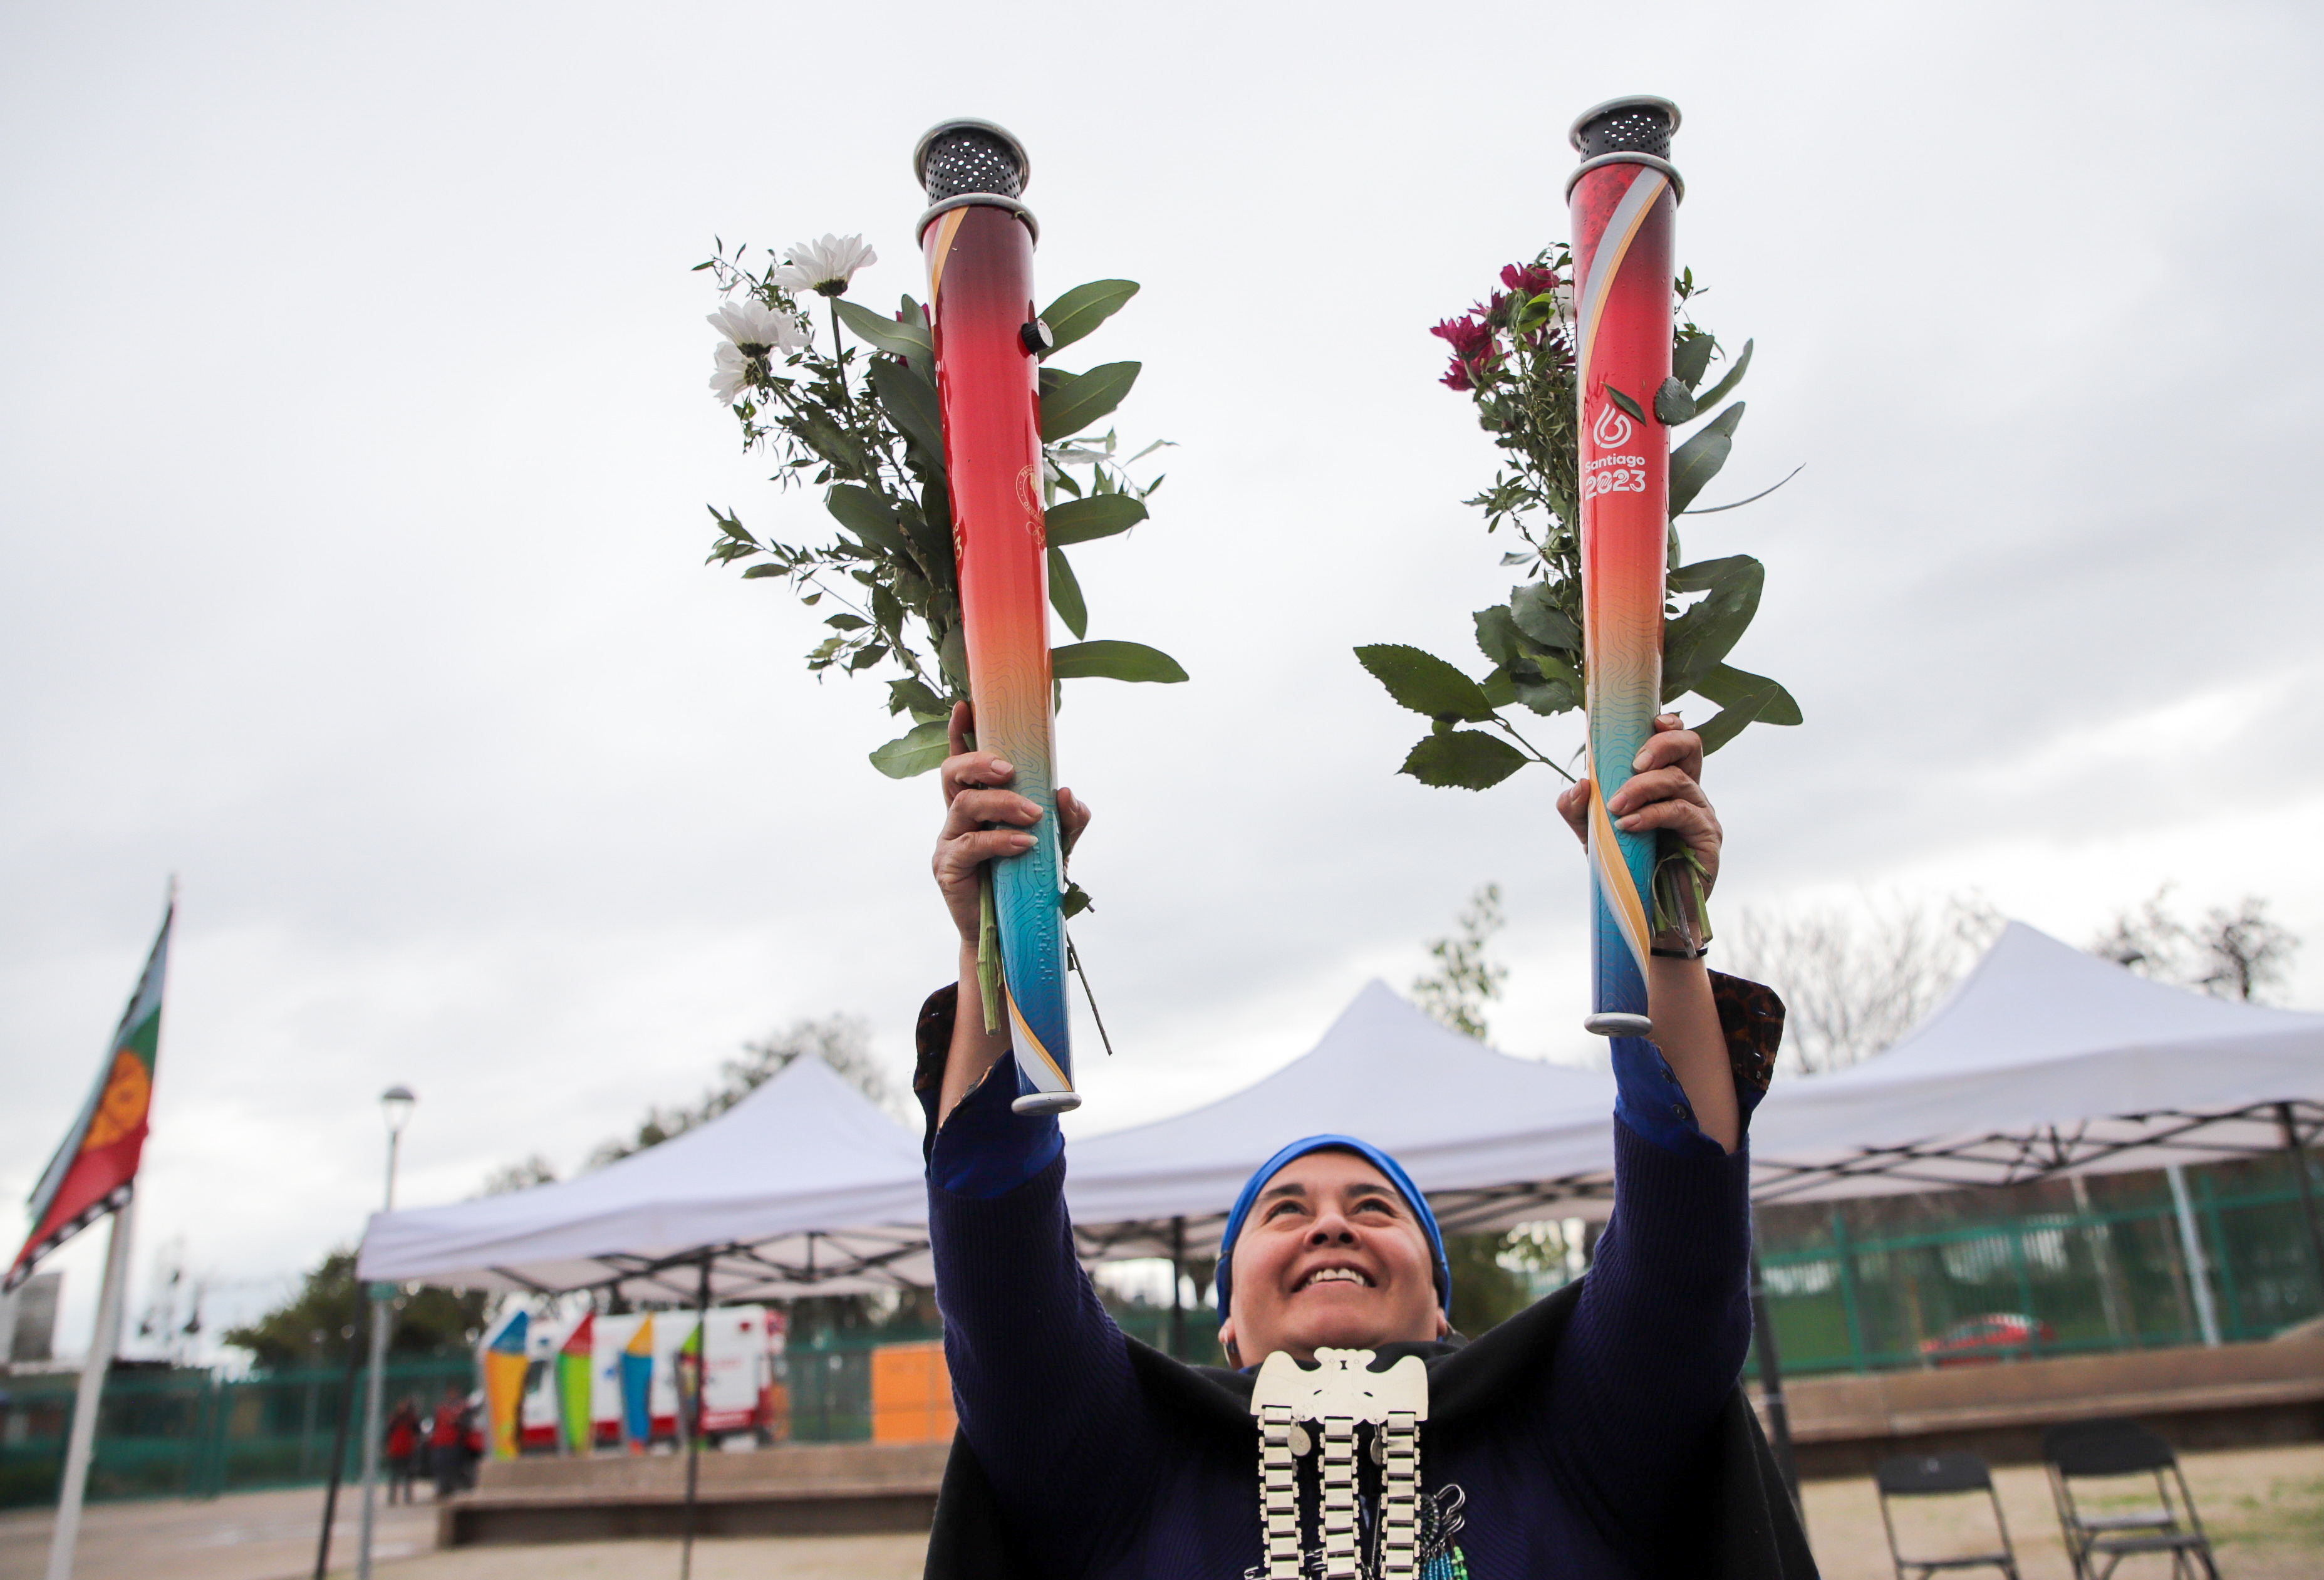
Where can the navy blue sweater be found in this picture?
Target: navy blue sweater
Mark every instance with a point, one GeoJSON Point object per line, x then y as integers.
{"type": "Point", "coordinates": [1582, 1471]}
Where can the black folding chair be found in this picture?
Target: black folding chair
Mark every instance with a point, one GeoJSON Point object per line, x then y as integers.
{"type": "Point", "coordinates": [1928, 1476]}
{"type": "Point", "coordinates": [2113, 1448]}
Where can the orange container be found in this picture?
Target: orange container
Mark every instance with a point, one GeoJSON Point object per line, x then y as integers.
{"type": "Point", "coordinates": [911, 1394]}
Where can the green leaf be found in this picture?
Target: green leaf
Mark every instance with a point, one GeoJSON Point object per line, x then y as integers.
{"type": "Point", "coordinates": [919, 749]}
{"type": "Point", "coordinates": [870, 518]}
{"type": "Point", "coordinates": [1463, 760]}
{"type": "Point", "coordinates": [1625, 403]}
{"type": "Point", "coordinates": [1539, 617]}
{"type": "Point", "coordinates": [910, 403]}
{"type": "Point", "coordinates": [913, 695]}
{"type": "Point", "coordinates": [1115, 660]}
{"type": "Point", "coordinates": [1673, 405]}
{"type": "Point", "coordinates": [1084, 308]}
{"type": "Point", "coordinates": [1727, 686]}
{"type": "Point", "coordinates": [1082, 399]}
{"type": "Point", "coordinates": [1549, 698]}
{"type": "Point", "coordinates": [1726, 387]}
{"type": "Point", "coordinates": [1697, 641]}
{"type": "Point", "coordinates": [1498, 688]}
{"type": "Point", "coordinates": [1065, 595]}
{"type": "Point", "coordinates": [1425, 683]}
{"type": "Point", "coordinates": [1101, 515]}
{"type": "Point", "coordinates": [848, 622]}
{"type": "Point", "coordinates": [897, 340]}
{"type": "Point", "coordinates": [1497, 635]}
{"type": "Point", "coordinates": [1706, 574]}
{"type": "Point", "coordinates": [1076, 901]}
{"type": "Point", "coordinates": [1697, 461]}
{"type": "Point", "coordinates": [867, 657]}
{"type": "Point", "coordinates": [759, 571]}
{"type": "Point", "coordinates": [1690, 359]}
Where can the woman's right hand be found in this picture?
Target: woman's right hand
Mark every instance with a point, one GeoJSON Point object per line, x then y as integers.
{"type": "Point", "coordinates": [976, 792]}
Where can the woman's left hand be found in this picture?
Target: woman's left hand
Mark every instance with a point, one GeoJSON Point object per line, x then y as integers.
{"type": "Point", "coordinates": [1663, 792]}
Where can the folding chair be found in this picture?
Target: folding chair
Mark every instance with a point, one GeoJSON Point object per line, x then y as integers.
{"type": "Point", "coordinates": [2121, 1448]}
{"type": "Point", "coordinates": [1926, 1475]}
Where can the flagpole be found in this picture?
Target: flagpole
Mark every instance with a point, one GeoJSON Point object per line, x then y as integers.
{"type": "Point", "coordinates": [101, 1345]}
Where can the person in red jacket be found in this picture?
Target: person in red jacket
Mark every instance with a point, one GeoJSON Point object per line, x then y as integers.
{"type": "Point", "coordinates": [402, 1449]}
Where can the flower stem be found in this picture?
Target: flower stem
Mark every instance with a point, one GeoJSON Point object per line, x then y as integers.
{"type": "Point", "coordinates": [988, 983]}
{"type": "Point", "coordinates": [838, 360]}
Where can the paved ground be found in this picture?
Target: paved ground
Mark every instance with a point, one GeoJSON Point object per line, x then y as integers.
{"type": "Point", "coordinates": [2264, 1508]}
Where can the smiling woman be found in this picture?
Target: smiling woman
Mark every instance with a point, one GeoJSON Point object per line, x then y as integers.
{"type": "Point", "coordinates": [1598, 1433]}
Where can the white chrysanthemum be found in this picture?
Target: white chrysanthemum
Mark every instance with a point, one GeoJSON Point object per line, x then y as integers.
{"type": "Point", "coordinates": [756, 328]}
{"type": "Point", "coordinates": [824, 266]}
{"type": "Point", "coordinates": [731, 375]}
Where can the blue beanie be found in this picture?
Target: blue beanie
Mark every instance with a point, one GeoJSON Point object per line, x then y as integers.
{"type": "Point", "coordinates": [1379, 1159]}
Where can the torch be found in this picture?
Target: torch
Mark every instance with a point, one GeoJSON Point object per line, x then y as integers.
{"type": "Point", "coordinates": [1624, 200]}
{"type": "Point", "coordinates": [978, 239]}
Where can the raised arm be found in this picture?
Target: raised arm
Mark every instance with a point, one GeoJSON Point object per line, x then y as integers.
{"type": "Point", "coordinates": [1040, 1374]}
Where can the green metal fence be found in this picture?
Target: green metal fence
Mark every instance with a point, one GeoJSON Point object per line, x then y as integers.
{"type": "Point", "coordinates": [196, 1435]}
{"type": "Point", "coordinates": [2108, 1273]}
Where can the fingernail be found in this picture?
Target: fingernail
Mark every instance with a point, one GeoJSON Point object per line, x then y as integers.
{"type": "Point", "coordinates": [1630, 822]}
{"type": "Point", "coordinates": [1638, 764]}
{"type": "Point", "coordinates": [1002, 765]}
{"type": "Point", "coordinates": [1022, 841]}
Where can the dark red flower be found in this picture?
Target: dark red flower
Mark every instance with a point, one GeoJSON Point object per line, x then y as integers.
{"type": "Point", "coordinates": [1469, 337]}
{"type": "Point", "coordinates": [1458, 379]}
{"type": "Point", "coordinates": [1530, 278]}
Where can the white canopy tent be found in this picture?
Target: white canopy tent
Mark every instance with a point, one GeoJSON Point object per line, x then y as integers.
{"type": "Point", "coordinates": [804, 1187]}
{"type": "Point", "coordinates": [1493, 1139]}
{"type": "Point", "coordinates": [2046, 1062]}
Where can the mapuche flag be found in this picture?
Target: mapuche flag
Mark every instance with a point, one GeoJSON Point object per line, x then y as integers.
{"type": "Point", "coordinates": [91, 1173]}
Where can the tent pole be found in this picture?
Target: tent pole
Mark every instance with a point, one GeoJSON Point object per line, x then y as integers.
{"type": "Point", "coordinates": [2307, 1190]}
{"type": "Point", "coordinates": [2198, 1275]}
{"type": "Point", "coordinates": [82, 1444]}
{"type": "Point", "coordinates": [1771, 1382]}
{"type": "Point", "coordinates": [693, 1426]}
{"type": "Point", "coordinates": [1178, 1271]}
{"type": "Point", "coordinates": [339, 1435]}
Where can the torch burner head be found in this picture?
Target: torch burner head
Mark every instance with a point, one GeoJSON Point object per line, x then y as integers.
{"type": "Point", "coordinates": [967, 161]}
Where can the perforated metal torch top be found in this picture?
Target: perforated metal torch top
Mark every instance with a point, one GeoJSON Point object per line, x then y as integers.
{"type": "Point", "coordinates": [972, 161]}
{"type": "Point", "coordinates": [1636, 130]}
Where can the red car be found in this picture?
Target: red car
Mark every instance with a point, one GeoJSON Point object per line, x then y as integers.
{"type": "Point", "coordinates": [1998, 1335]}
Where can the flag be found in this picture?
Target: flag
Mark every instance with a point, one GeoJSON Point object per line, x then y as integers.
{"type": "Point", "coordinates": [574, 1389]}
{"type": "Point", "coordinates": [637, 1387]}
{"type": "Point", "coordinates": [688, 1367]}
{"type": "Point", "coordinates": [505, 1370]}
{"type": "Point", "coordinates": [92, 1172]}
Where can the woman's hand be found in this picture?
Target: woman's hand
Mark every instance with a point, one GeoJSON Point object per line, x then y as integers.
{"type": "Point", "coordinates": [1663, 792]}
{"type": "Point", "coordinates": [976, 793]}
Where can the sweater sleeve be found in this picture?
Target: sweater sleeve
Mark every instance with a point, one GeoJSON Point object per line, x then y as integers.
{"type": "Point", "coordinates": [1041, 1376]}
{"type": "Point", "coordinates": [1664, 1321]}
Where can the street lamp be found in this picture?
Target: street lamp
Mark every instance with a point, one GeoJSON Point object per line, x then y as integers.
{"type": "Point", "coordinates": [395, 1105]}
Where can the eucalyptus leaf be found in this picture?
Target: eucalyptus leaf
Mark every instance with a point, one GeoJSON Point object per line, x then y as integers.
{"type": "Point", "coordinates": [1726, 387]}
{"type": "Point", "coordinates": [911, 402]}
{"type": "Point", "coordinates": [1706, 574]}
{"type": "Point", "coordinates": [1690, 359]}
{"type": "Point", "coordinates": [1625, 403]}
{"type": "Point", "coordinates": [870, 518]}
{"type": "Point", "coordinates": [1084, 308]}
{"type": "Point", "coordinates": [1079, 400]}
{"type": "Point", "coordinates": [1697, 461]}
{"type": "Point", "coordinates": [1115, 660]}
{"type": "Point", "coordinates": [913, 752]}
{"type": "Point", "coordinates": [1065, 595]}
{"type": "Point", "coordinates": [1425, 683]}
{"type": "Point", "coordinates": [1697, 641]}
{"type": "Point", "coordinates": [1463, 760]}
{"type": "Point", "coordinates": [1673, 405]}
{"type": "Point", "coordinates": [1101, 515]}
{"type": "Point", "coordinates": [897, 340]}
{"type": "Point", "coordinates": [759, 571]}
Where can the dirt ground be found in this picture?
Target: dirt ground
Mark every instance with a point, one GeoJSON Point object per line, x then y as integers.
{"type": "Point", "coordinates": [2264, 1508]}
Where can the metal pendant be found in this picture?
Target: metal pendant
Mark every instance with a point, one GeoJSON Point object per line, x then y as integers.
{"type": "Point", "coordinates": [1339, 1395]}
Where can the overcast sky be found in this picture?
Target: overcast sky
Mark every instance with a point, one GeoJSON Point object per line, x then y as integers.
{"type": "Point", "coordinates": [354, 441]}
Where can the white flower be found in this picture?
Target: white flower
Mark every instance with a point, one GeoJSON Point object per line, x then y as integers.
{"type": "Point", "coordinates": [754, 332]}
{"type": "Point", "coordinates": [757, 328]}
{"type": "Point", "coordinates": [825, 267]}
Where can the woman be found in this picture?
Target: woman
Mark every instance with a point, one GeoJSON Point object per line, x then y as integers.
{"type": "Point", "coordinates": [402, 1449]}
{"type": "Point", "coordinates": [1601, 1433]}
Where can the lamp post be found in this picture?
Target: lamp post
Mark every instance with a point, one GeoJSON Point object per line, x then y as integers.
{"type": "Point", "coordinates": [395, 1104]}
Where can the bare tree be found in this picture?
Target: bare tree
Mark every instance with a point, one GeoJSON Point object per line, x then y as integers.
{"type": "Point", "coordinates": [840, 1041]}
{"type": "Point", "coordinates": [1464, 980]}
{"type": "Point", "coordinates": [522, 1175]}
{"type": "Point", "coordinates": [1856, 978]}
{"type": "Point", "coordinates": [2229, 954]}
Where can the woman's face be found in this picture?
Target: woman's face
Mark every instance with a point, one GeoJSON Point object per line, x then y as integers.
{"type": "Point", "coordinates": [1332, 1256]}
